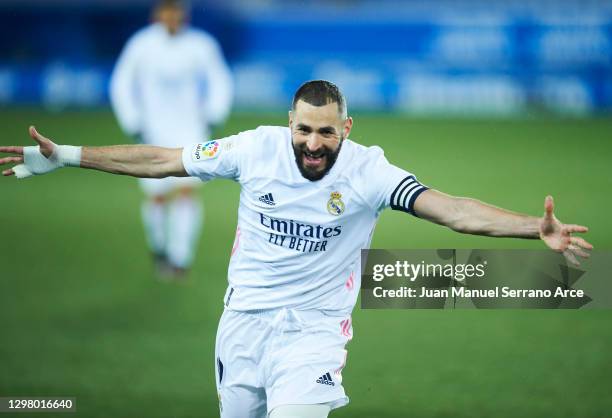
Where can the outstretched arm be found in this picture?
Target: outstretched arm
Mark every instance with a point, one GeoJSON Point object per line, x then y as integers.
{"type": "Point", "coordinates": [131, 160]}
{"type": "Point", "coordinates": [471, 216]}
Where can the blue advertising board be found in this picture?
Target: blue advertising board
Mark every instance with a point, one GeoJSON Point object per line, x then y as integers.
{"type": "Point", "coordinates": [497, 64]}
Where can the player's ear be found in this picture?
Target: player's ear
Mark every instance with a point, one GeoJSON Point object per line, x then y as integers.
{"type": "Point", "coordinates": [348, 125]}
{"type": "Point", "coordinates": [290, 118]}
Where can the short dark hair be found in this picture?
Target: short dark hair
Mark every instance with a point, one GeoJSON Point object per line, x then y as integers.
{"type": "Point", "coordinates": [320, 93]}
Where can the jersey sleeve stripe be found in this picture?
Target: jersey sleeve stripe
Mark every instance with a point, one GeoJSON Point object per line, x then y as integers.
{"type": "Point", "coordinates": [413, 198]}
{"type": "Point", "coordinates": [404, 197]}
{"type": "Point", "coordinates": [400, 187]}
{"type": "Point", "coordinates": [405, 194]}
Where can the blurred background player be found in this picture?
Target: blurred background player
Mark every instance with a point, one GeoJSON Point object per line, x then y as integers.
{"type": "Point", "coordinates": [169, 86]}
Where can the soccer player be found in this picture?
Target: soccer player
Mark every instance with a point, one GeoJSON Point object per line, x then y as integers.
{"type": "Point", "coordinates": [168, 87]}
{"type": "Point", "coordinates": [309, 202]}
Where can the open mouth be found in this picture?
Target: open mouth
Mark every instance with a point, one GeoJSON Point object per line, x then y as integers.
{"type": "Point", "coordinates": [313, 159]}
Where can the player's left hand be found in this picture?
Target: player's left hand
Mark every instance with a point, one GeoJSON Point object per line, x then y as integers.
{"type": "Point", "coordinates": [559, 237]}
{"type": "Point", "coordinates": [32, 160]}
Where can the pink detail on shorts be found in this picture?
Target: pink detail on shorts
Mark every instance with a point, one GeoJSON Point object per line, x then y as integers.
{"type": "Point", "coordinates": [338, 371]}
{"type": "Point", "coordinates": [345, 327]}
{"type": "Point", "coordinates": [236, 241]}
{"type": "Point", "coordinates": [350, 282]}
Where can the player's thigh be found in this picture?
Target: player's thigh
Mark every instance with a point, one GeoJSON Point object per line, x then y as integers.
{"type": "Point", "coordinates": [238, 350]}
{"type": "Point", "coordinates": [306, 368]}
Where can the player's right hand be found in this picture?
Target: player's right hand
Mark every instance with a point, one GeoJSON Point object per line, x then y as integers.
{"type": "Point", "coordinates": [562, 237]}
{"type": "Point", "coordinates": [31, 160]}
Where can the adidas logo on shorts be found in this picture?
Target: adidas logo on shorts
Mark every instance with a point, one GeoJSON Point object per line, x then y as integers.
{"type": "Point", "coordinates": [326, 380]}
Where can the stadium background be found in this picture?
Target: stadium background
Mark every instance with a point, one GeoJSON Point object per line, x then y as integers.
{"type": "Point", "coordinates": [501, 101]}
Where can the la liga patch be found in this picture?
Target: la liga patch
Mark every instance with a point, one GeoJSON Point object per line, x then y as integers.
{"type": "Point", "coordinates": [205, 151]}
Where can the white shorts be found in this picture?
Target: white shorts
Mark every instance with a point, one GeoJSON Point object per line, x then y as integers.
{"type": "Point", "coordinates": [280, 357]}
{"type": "Point", "coordinates": [161, 187]}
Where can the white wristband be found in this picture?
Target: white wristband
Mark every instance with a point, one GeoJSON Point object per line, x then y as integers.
{"type": "Point", "coordinates": [68, 155]}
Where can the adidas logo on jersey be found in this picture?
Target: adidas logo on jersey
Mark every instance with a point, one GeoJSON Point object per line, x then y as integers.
{"type": "Point", "coordinates": [326, 380]}
{"type": "Point", "coordinates": [267, 199]}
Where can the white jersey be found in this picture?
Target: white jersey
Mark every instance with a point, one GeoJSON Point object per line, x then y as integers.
{"type": "Point", "coordinates": [298, 242]}
{"type": "Point", "coordinates": [169, 88]}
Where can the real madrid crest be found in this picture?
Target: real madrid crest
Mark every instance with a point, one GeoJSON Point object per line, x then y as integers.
{"type": "Point", "coordinates": [335, 205]}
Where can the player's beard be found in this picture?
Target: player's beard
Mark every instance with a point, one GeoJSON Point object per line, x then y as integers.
{"type": "Point", "coordinates": [309, 173]}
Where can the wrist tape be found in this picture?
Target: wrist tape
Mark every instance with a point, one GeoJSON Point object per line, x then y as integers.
{"type": "Point", "coordinates": [35, 163]}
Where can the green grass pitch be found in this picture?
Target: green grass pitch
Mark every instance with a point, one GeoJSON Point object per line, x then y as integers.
{"type": "Point", "coordinates": [81, 315]}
